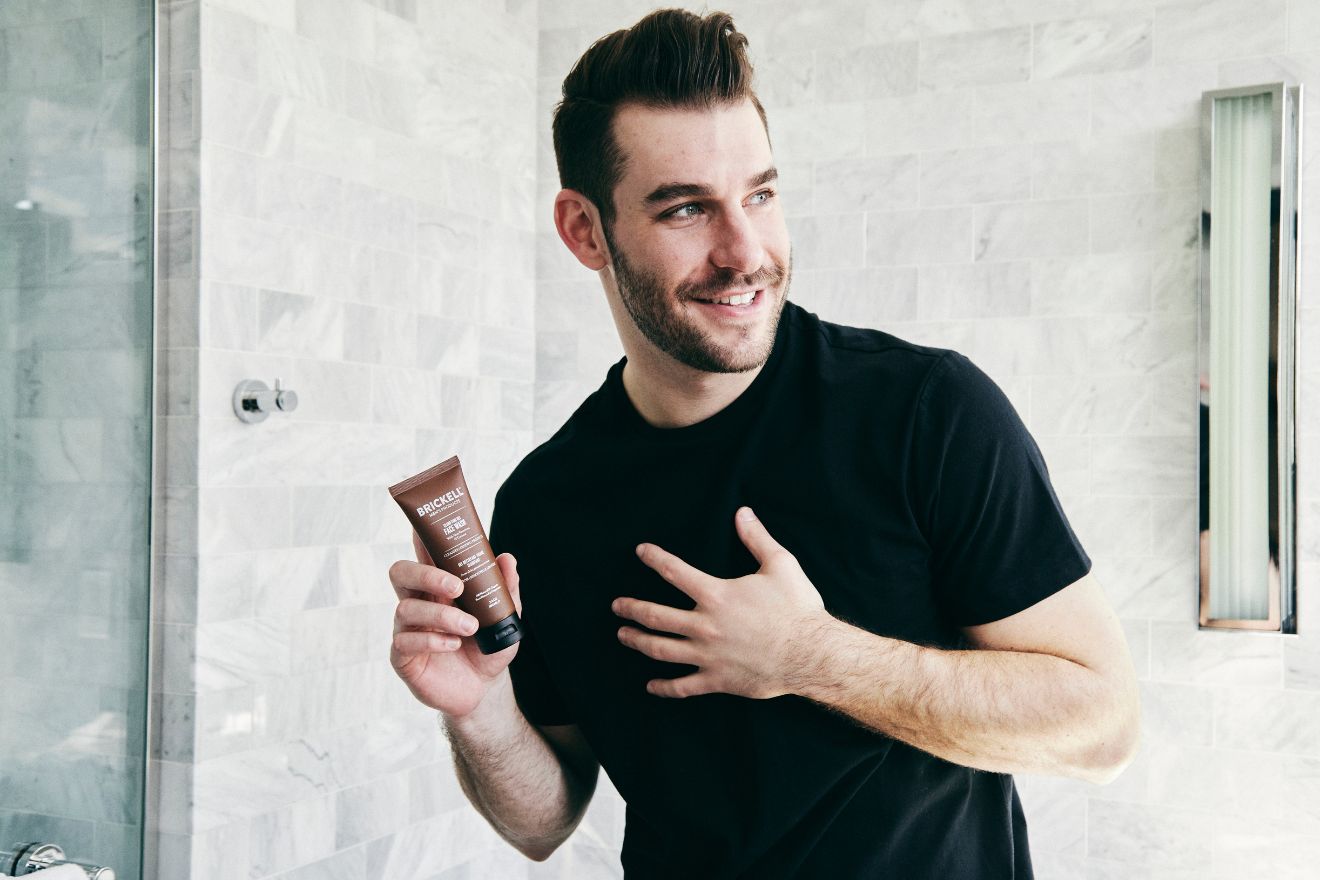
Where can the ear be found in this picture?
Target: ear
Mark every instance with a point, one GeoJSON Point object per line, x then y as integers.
{"type": "Point", "coordinates": [579, 227]}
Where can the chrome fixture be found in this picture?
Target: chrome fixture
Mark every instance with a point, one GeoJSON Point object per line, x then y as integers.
{"type": "Point", "coordinates": [253, 401]}
{"type": "Point", "coordinates": [30, 858]}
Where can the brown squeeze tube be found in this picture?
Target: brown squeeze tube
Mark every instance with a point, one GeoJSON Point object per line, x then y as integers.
{"type": "Point", "coordinates": [439, 508]}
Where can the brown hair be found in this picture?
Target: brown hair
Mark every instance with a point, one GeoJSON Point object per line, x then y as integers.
{"type": "Point", "coordinates": [672, 58]}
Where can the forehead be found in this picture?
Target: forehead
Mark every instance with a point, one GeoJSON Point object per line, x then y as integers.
{"type": "Point", "coordinates": [722, 144]}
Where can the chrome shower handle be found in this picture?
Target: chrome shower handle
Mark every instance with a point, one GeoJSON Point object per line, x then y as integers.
{"type": "Point", "coordinates": [29, 858]}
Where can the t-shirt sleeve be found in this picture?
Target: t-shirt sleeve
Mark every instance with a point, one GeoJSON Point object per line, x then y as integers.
{"type": "Point", "coordinates": [999, 539]}
{"type": "Point", "coordinates": [533, 687]}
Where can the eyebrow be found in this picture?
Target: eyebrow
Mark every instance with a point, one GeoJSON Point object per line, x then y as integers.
{"type": "Point", "coordinates": [670, 191]}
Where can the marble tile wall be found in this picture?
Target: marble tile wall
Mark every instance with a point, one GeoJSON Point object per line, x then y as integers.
{"type": "Point", "coordinates": [347, 191]}
{"type": "Point", "coordinates": [1018, 181]}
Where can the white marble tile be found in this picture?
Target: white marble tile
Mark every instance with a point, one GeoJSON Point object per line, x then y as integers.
{"type": "Point", "coordinates": [789, 82]}
{"type": "Point", "coordinates": [1141, 834]}
{"type": "Point", "coordinates": [448, 346]}
{"type": "Point", "coordinates": [1016, 113]}
{"type": "Point", "coordinates": [1150, 587]}
{"type": "Point", "coordinates": [1112, 526]}
{"type": "Point", "coordinates": [873, 297]}
{"type": "Point", "coordinates": [1068, 459]}
{"type": "Point", "coordinates": [828, 242]}
{"type": "Point", "coordinates": [1303, 26]}
{"type": "Point", "coordinates": [516, 405]}
{"type": "Point", "coordinates": [222, 722]}
{"type": "Point", "coordinates": [1177, 714]}
{"type": "Point", "coordinates": [986, 174]}
{"type": "Point", "coordinates": [819, 132]}
{"type": "Point", "coordinates": [1145, 465]}
{"type": "Point", "coordinates": [325, 637]}
{"type": "Point", "coordinates": [917, 124]}
{"type": "Point", "coordinates": [372, 810]}
{"type": "Point", "coordinates": [1063, 169]}
{"type": "Point", "coordinates": [1174, 280]}
{"type": "Point", "coordinates": [1020, 230]}
{"type": "Point", "coordinates": [975, 58]}
{"type": "Point", "coordinates": [298, 834]}
{"type": "Point", "coordinates": [506, 353]}
{"type": "Point", "coordinates": [1150, 221]}
{"type": "Point", "coordinates": [776, 26]}
{"type": "Point", "coordinates": [1097, 405]}
{"type": "Point", "coordinates": [287, 581]}
{"type": "Point", "coordinates": [1181, 652]}
{"type": "Point", "coordinates": [885, 70]}
{"type": "Point", "coordinates": [1151, 344]}
{"type": "Point", "coordinates": [1091, 284]}
{"type": "Point", "coordinates": [874, 184]}
{"type": "Point", "coordinates": [1163, 98]}
{"type": "Point", "coordinates": [1218, 29]}
{"type": "Point", "coordinates": [1056, 813]}
{"type": "Point", "coordinates": [233, 519]}
{"type": "Point", "coordinates": [377, 454]}
{"type": "Point", "coordinates": [348, 864]}
{"type": "Point", "coordinates": [1268, 720]}
{"type": "Point", "coordinates": [1091, 45]}
{"type": "Point", "coordinates": [1178, 159]}
{"type": "Point", "coordinates": [304, 326]}
{"type": "Point", "coordinates": [974, 290]}
{"type": "Point", "coordinates": [935, 235]}
{"type": "Point", "coordinates": [406, 397]}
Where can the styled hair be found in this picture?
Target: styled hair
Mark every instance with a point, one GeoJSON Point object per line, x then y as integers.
{"type": "Point", "coordinates": [671, 59]}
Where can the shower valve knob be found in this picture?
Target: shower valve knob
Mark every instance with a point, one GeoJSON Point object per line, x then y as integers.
{"type": "Point", "coordinates": [254, 401]}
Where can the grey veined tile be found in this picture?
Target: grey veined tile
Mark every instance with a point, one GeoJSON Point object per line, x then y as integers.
{"type": "Point", "coordinates": [1091, 45]}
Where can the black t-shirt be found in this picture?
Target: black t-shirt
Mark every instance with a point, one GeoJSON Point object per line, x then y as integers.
{"type": "Point", "coordinates": [912, 495]}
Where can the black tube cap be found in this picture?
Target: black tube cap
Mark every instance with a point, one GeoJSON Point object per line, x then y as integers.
{"type": "Point", "coordinates": [501, 635]}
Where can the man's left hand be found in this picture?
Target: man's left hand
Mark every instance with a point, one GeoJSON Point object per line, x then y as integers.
{"type": "Point", "coordinates": [748, 636]}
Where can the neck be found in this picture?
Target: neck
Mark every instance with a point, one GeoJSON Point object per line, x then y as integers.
{"type": "Point", "coordinates": [668, 394]}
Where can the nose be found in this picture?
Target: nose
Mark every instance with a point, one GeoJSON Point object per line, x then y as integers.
{"type": "Point", "coordinates": [737, 245]}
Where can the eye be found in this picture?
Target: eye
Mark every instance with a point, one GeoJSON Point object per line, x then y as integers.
{"type": "Point", "coordinates": [682, 212]}
{"type": "Point", "coordinates": [763, 196]}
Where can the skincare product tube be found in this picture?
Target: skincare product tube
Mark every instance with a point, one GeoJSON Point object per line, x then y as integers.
{"type": "Point", "coordinates": [439, 508]}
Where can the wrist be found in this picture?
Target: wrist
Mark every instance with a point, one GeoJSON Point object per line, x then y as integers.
{"type": "Point", "coordinates": [493, 709]}
{"type": "Point", "coordinates": [806, 664]}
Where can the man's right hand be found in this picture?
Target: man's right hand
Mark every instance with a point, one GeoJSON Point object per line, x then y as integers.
{"type": "Point", "coordinates": [433, 650]}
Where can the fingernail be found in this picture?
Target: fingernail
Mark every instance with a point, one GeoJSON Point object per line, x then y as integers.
{"type": "Point", "coordinates": [641, 549]}
{"type": "Point", "coordinates": [745, 514]}
{"type": "Point", "coordinates": [469, 626]}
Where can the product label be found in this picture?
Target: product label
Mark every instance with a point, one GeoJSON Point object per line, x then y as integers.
{"type": "Point", "coordinates": [440, 502]}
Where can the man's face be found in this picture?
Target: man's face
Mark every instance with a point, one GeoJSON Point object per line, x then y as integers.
{"type": "Point", "coordinates": [698, 218]}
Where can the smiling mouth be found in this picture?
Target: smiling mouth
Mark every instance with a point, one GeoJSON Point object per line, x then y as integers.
{"type": "Point", "coordinates": [736, 300]}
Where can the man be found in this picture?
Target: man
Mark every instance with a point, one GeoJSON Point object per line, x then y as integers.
{"type": "Point", "coordinates": [803, 590]}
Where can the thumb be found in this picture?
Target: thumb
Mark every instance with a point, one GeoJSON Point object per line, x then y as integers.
{"type": "Point", "coordinates": [753, 534]}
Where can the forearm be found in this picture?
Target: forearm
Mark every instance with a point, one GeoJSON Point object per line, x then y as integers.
{"type": "Point", "coordinates": [512, 776]}
{"type": "Point", "coordinates": [1003, 711]}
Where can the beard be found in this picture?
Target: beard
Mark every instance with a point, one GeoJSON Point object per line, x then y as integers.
{"type": "Point", "coordinates": [649, 305]}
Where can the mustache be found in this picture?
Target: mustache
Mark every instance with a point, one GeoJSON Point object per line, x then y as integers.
{"type": "Point", "coordinates": [767, 276]}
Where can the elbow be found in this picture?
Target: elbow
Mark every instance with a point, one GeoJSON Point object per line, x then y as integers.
{"type": "Point", "coordinates": [1108, 758]}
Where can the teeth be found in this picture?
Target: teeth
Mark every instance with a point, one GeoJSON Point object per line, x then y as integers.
{"type": "Point", "coordinates": [741, 300]}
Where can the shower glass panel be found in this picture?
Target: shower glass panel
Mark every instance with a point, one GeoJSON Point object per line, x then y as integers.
{"type": "Point", "coordinates": [75, 423]}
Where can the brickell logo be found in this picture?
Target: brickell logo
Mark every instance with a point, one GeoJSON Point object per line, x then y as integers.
{"type": "Point", "coordinates": [439, 501]}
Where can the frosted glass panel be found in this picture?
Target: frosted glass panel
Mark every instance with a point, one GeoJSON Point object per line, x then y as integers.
{"type": "Point", "coordinates": [1240, 258]}
{"type": "Point", "coordinates": [75, 424]}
